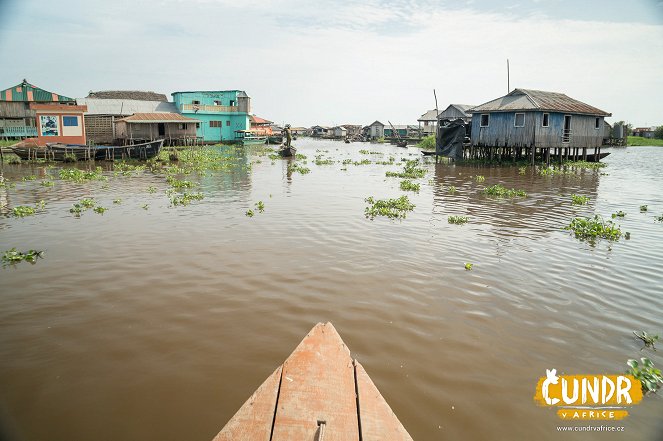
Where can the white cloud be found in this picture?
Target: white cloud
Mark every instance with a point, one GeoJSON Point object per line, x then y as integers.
{"type": "Point", "coordinates": [335, 62]}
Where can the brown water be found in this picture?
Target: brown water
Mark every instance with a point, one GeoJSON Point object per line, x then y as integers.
{"type": "Point", "coordinates": [157, 324]}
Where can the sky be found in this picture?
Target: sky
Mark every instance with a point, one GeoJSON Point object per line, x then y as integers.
{"type": "Point", "coordinates": [344, 62]}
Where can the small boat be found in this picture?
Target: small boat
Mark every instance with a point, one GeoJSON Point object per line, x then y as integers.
{"type": "Point", "coordinates": [287, 152]}
{"type": "Point", "coordinates": [247, 137]}
{"type": "Point", "coordinates": [347, 140]}
{"type": "Point", "coordinates": [401, 143]}
{"type": "Point", "coordinates": [591, 157]}
{"type": "Point", "coordinates": [28, 152]}
{"type": "Point", "coordinates": [70, 152]}
{"type": "Point", "coordinates": [274, 139]}
{"type": "Point", "coordinates": [145, 150]}
{"type": "Point", "coordinates": [319, 393]}
{"type": "Point", "coordinates": [428, 152]}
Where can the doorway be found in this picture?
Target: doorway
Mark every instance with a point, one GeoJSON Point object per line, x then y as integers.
{"type": "Point", "coordinates": [161, 127]}
{"type": "Point", "coordinates": [566, 133]}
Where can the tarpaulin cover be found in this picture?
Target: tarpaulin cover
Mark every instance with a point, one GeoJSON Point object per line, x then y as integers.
{"type": "Point", "coordinates": [450, 140]}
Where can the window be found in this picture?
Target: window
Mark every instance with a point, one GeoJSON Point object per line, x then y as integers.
{"type": "Point", "coordinates": [228, 123]}
{"type": "Point", "coordinates": [216, 123]}
{"type": "Point", "coordinates": [485, 120]}
{"type": "Point", "coordinates": [232, 103]}
{"type": "Point", "coordinates": [195, 102]}
{"type": "Point", "coordinates": [217, 102]}
{"type": "Point", "coordinates": [546, 120]}
{"type": "Point", "coordinates": [519, 121]}
{"type": "Point", "coordinates": [597, 122]}
{"type": "Point", "coordinates": [197, 125]}
{"type": "Point", "coordinates": [183, 126]}
{"type": "Point", "coordinates": [72, 121]}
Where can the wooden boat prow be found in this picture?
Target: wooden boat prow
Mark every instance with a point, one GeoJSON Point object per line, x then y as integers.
{"type": "Point", "coordinates": [318, 393]}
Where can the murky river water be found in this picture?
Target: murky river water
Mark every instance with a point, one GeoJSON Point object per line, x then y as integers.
{"type": "Point", "coordinates": [157, 323]}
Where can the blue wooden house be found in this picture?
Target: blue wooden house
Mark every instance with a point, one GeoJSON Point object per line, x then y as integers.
{"type": "Point", "coordinates": [221, 113]}
{"type": "Point", "coordinates": [527, 118]}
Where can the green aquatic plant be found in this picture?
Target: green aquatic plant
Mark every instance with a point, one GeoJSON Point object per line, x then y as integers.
{"type": "Point", "coordinates": [260, 206]}
{"type": "Point", "coordinates": [391, 208]}
{"type": "Point", "coordinates": [479, 178]}
{"type": "Point", "coordinates": [452, 189]}
{"type": "Point", "coordinates": [179, 183]}
{"type": "Point", "coordinates": [29, 178]}
{"type": "Point", "coordinates": [362, 162]}
{"type": "Point", "coordinates": [249, 213]}
{"type": "Point", "coordinates": [364, 152]}
{"type": "Point", "coordinates": [522, 170]}
{"type": "Point", "coordinates": [46, 183]}
{"type": "Point", "coordinates": [77, 210]}
{"type": "Point", "coordinates": [99, 209]}
{"type": "Point", "coordinates": [427, 143]}
{"type": "Point", "coordinates": [591, 229]}
{"type": "Point", "coordinates": [468, 266]}
{"type": "Point", "coordinates": [15, 160]}
{"type": "Point", "coordinates": [659, 218]}
{"type": "Point", "coordinates": [23, 211]}
{"type": "Point", "coordinates": [644, 371]}
{"type": "Point", "coordinates": [585, 164]}
{"type": "Point", "coordinates": [151, 189]}
{"type": "Point", "coordinates": [407, 185]}
{"type": "Point", "coordinates": [620, 213]}
{"type": "Point", "coordinates": [579, 199]}
{"type": "Point", "coordinates": [643, 208]}
{"type": "Point", "coordinates": [323, 161]}
{"type": "Point", "coordinates": [77, 175]}
{"type": "Point", "coordinates": [117, 201]}
{"type": "Point", "coordinates": [185, 198]}
{"type": "Point", "coordinates": [647, 339]}
{"type": "Point", "coordinates": [300, 157]}
{"type": "Point", "coordinates": [146, 207]}
{"type": "Point", "coordinates": [459, 220]}
{"type": "Point", "coordinates": [498, 190]}
{"type": "Point", "coordinates": [88, 202]}
{"type": "Point", "coordinates": [294, 167]}
{"type": "Point", "coordinates": [69, 157]}
{"type": "Point", "coordinates": [14, 256]}
{"type": "Point", "coordinates": [410, 171]}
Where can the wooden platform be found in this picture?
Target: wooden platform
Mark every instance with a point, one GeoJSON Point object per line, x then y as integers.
{"type": "Point", "coordinates": [319, 394]}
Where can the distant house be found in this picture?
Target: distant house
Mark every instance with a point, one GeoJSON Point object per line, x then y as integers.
{"type": "Point", "coordinates": [261, 126]}
{"type": "Point", "coordinates": [339, 132]}
{"type": "Point", "coordinates": [221, 113]}
{"type": "Point", "coordinates": [427, 122]}
{"type": "Point", "coordinates": [376, 130]}
{"type": "Point", "coordinates": [645, 132]}
{"type": "Point", "coordinates": [59, 123]}
{"type": "Point", "coordinates": [352, 129]}
{"type": "Point", "coordinates": [108, 106]}
{"type": "Point", "coordinates": [298, 130]}
{"type": "Point", "coordinates": [535, 118]}
{"type": "Point", "coordinates": [456, 111]}
{"type": "Point", "coordinates": [403, 131]}
{"type": "Point", "coordinates": [320, 131]}
{"type": "Point", "coordinates": [142, 127]}
{"type": "Point", "coordinates": [17, 117]}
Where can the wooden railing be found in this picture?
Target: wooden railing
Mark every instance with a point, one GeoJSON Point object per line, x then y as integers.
{"type": "Point", "coordinates": [18, 132]}
{"type": "Point", "coordinates": [208, 108]}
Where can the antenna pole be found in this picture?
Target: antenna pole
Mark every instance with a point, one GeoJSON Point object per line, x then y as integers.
{"type": "Point", "coordinates": [508, 79]}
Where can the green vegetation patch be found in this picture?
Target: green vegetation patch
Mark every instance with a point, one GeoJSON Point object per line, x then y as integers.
{"type": "Point", "coordinates": [592, 229]}
{"type": "Point", "coordinates": [185, 198]}
{"type": "Point", "coordinates": [77, 175]}
{"type": "Point", "coordinates": [14, 256]}
{"type": "Point", "coordinates": [500, 191]}
{"type": "Point", "coordinates": [428, 143]}
{"type": "Point", "coordinates": [391, 208]}
{"type": "Point", "coordinates": [410, 171]}
{"type": "Point", "coordinates": [649, 376]}
{"type": "Point", "coordinates": [579, 199]}
{"type": "Point", "coordinates": [407, 185]}
{"type": "Point", "coordinates": [294, 167]}
{"type": "Point", "coordinates": [458, 220]}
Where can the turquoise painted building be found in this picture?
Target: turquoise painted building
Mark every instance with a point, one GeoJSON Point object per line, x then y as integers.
{"type": "Point", "coordinates": [221, 113]}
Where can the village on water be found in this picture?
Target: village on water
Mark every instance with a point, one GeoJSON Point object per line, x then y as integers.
{"type": "Point", "coordinates": [521, 124]}
{"type": "Point", "coordinates": [389, 220]}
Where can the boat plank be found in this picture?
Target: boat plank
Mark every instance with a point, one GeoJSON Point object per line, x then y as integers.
{"type": "Point", "coordinates": [317, 385]}
{"type": "Point", "coordinates": [378, 421]}
{"type": "Point", "coordinates": [253, 421]}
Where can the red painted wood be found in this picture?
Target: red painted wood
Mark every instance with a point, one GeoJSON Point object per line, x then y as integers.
{"type": "Point", "coordinates": [253, 421]}
{"type": "Point", "coordinates": [378, 421]}
{"type": "Point", "coordinates": [317, 385]}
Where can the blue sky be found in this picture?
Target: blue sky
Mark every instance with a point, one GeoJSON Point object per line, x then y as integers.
{"type": "Point", "coordinates": [338, 62]}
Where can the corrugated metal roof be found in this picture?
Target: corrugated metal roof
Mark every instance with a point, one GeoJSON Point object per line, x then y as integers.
{"type": "Point", "coordinates": [528, 99]}
{"type": "Point", "coordinates": [257, 120]}
{"type": "Point", "coordinates": [147, 118]}
{"type": "Point", "coordinates": [128, 95]}
{"type": "Point", "coordinates": [26, 92]}
{"type": "Point", "coordinates": [431, 115]}
{"type": "Point", "coordinates": [97, 106]}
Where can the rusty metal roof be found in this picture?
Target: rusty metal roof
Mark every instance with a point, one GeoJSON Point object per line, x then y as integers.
{"type": "Point", "coordinates": [147, 118]}
{"type": "Point", "coordinates": [139, 95]}
{"type": "Point", "coordinates": [528, 99]}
